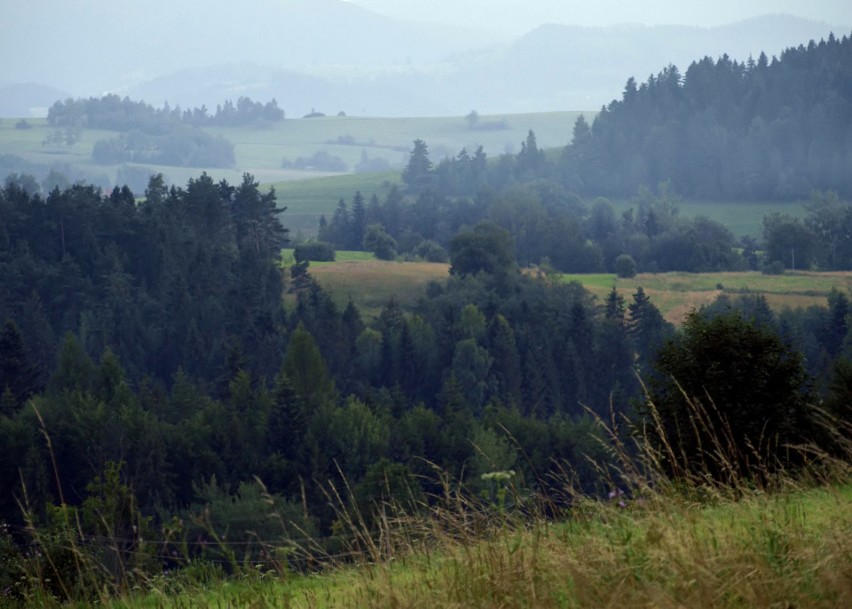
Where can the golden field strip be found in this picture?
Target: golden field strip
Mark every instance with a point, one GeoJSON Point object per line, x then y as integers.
{"type": "Point", "coordinates": [370, 283]}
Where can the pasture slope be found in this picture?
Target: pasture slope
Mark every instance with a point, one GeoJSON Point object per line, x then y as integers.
{"type": "Point", "coordinates": [261, 150]}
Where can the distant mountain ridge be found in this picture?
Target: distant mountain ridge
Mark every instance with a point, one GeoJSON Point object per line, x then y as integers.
{"type": "Point", "coordinates": [334, 56]}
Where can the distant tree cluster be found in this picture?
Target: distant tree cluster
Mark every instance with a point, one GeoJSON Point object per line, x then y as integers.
{"type": "Point", "coordinates": [160, 136]}
{"type": "Point", "coordinates": [115, 113]}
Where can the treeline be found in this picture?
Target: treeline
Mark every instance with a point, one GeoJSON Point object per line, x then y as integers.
{"type": "Point", "coordinates": [754, 131]}
{"type": "Point", "coordinates": [115, 113]}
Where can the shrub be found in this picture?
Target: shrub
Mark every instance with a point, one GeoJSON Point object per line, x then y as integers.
{"type": "Point", "coordinates": [430, 251]}
{"type": "Point", "coordinates": [378, 241]}
{"type": "Point", "coordinates": [625, 266]}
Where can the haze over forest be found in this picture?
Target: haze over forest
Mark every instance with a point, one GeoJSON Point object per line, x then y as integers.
{"type": "Point", "coordinates": [377, 57]}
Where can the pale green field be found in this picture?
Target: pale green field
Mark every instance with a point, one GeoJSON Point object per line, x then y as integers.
{"type": "Point", "coordinates": [740, 217]}
{"type": "Point", "coordinates": [260, 151]}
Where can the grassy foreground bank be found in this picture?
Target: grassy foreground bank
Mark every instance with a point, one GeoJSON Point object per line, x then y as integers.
{"type": "Point", "coordinates": [786, 549]}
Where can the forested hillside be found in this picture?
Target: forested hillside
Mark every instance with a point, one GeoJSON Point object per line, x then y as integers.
{"type": "Point", "coordinates": [159, 402]}
{"type": "Point", "coordinates": [762, 129]}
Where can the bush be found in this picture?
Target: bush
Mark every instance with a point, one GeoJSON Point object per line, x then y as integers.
{"type": "Point", "coordinates": [316, 251]}
{"type": "Point", "coordinates": [430, 251]}
{"type": "Point", "coordinates": [728, 399]}
{"type": "Point", "coordinates": [625, 266]}
{"type": "Point", "coordinates": [379, 242]}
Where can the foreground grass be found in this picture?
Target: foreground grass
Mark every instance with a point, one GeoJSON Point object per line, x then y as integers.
{"type": "Point", "coordinates": [790, 549]}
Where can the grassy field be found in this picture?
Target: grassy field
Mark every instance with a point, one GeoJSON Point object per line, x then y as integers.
{"type": "Point", "coordinates": [371, 283]}
{"type": "Point", "coordinates": [260, 151]}
{"type": "Point", "coordinates": [676, 294]}
{"type": "Point", "coordinates": [740, 217]}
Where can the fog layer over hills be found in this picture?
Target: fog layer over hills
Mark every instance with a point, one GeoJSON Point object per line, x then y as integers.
{"type": "Point", "coordinates": [332, 56]}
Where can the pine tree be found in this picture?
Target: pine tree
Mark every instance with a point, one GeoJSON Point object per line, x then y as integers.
{"type": "Point", "coordinates": [18, 376]}
{"type": "Point", "coordinates": [418, 175]}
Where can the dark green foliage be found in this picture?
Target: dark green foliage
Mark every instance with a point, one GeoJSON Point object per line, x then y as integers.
{"type": "Point", "coordinates": [728, 394]}
{"type": "Point", "coordinates": [647, 328]}
{"type": "Point", "coordinates": [18, 377]}
{"type": "Point", "coordinates": [306, 372]}
{"type": "Point", "coordinates": [154, 281]}
{"type": "Point", "coordinates": [382, 245]}
{"type": "Point", "coordinates": [789, 242]}
{"type": "Point", "coordinates": [485, 249]}
{"type": "Point", "coordinates": [625, 266]}
{"type": "Point", "coordinates": [418, 175]}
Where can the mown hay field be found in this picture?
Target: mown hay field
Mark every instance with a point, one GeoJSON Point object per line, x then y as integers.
{"type": "Point", "coordinates": [370, 283]}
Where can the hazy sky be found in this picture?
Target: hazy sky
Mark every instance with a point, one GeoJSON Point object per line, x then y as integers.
{"type": "Point", "coordinates": [515, 15]}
